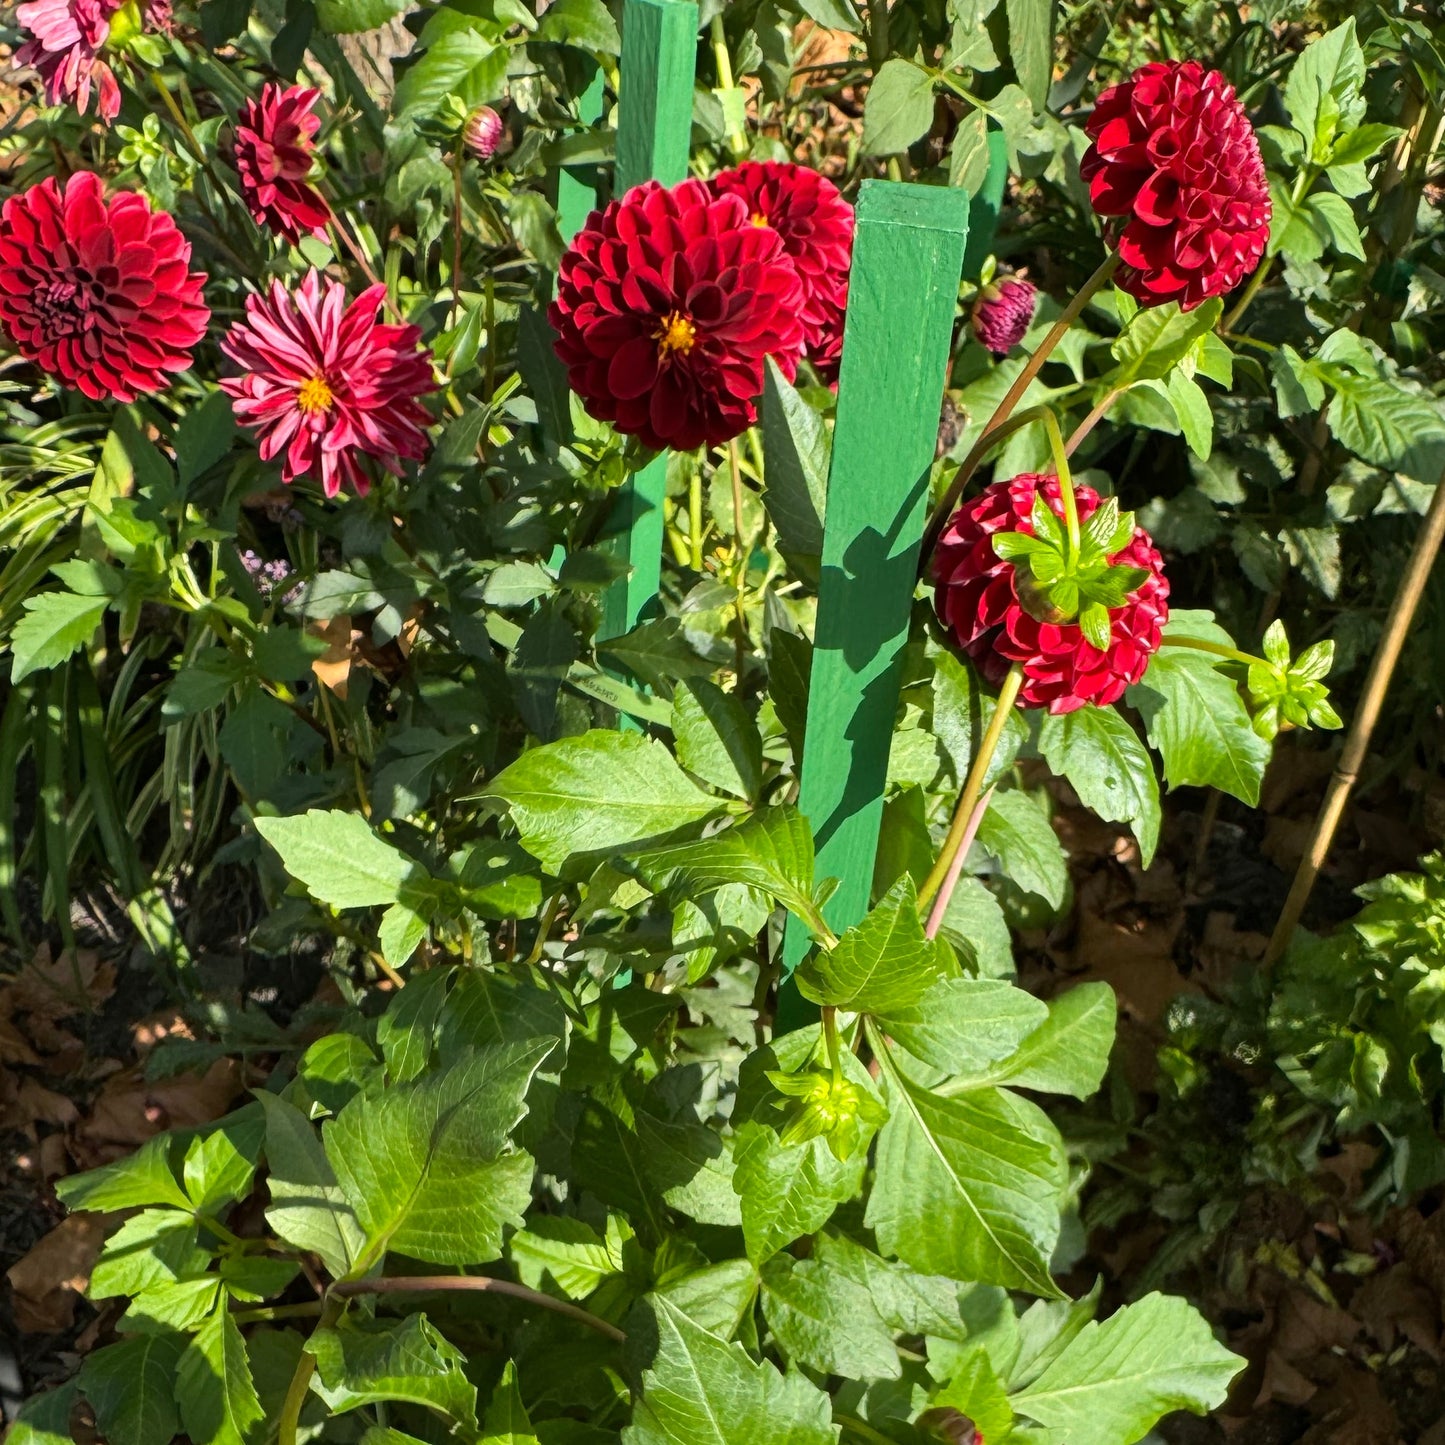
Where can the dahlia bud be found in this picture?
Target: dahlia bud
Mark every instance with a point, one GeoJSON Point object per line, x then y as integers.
{"type": "Point", "coordinates": [1003, 312]}
{"type": "Point", "coordinates": [826, 1107]}
{"type": "Point", "coordinates": [482, 133]}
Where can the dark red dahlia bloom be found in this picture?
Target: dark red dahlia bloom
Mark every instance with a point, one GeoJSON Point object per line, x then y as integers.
{"type": "Point", "coordinates": [275, 143]}
{"type": "Point", "coordinates": [667, 303]}
{"type": "Point", "coordinates": [97, 292]}
{"type": "Point", "coordinates": [977, 598]}
{"type": "Point", "coordinates": [324, 384]}
{"type": "Point", "coordinates": [1175, 164]}
{"type": "Point", "coordinates": [816, 225]}
{"type": "Point", "coordinates": [1002, 314]}
{"type": "Point", "coordinates": [482, 133]}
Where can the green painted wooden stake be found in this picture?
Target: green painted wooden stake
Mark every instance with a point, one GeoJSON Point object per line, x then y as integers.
{"type": "Point", "coordinates": [907, 258]}
{"type": "Point", "coordinates": [984, 211]}
{"type": "Point", "coordinates": [577, 185]}
{"type": "Point", "coordinates": [654, 131]}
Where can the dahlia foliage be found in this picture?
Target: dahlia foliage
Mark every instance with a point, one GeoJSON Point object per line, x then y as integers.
{"type": "Point", "coordinates": [1082, 621]}
{"type": "Point", "coordinates": [274, 150]}
{"type": "Point", "coordinates": [98, 293]}
{"type": "Point", "coordinates": [1174, 166]}
{"type": "Point", "coordinates": [323, 383]}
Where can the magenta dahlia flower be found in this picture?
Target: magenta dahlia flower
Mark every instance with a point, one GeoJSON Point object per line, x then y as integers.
{"type": "Point", "coordinates": [998, 622]}
{"type": "Point", "coordinates": [667, 303]}
{"type": "Point", "coordinates": [99, 293]}
{"type": "Point", "coordinates": [482, 132]}
{"type": "Point", "coordinates": [1002, 314]}
{"type": "Point", "coordinates": [324, 384]}
{"type": "Point", "coordinates": [816, 225]}
{"type": "Point", "coordinates": [274, 147]}
{"type": "Point", "coordinates": [66, 41]}
{"type": "Point", "coordinates": [1174, 165]}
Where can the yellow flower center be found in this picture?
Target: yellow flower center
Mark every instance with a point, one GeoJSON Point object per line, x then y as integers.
{"type": "Point", "coordinates": [314, 395]}
{"type": "Point", "coordinates": [758, 219]}
{"type": "Point", "coordinates": [676, 333]}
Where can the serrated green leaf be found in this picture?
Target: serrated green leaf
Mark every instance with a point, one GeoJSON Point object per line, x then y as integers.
{"type": "Point", "coordinates": [1069, 1051]}
{"type": "Point", "coordinates": [880, 965]}
{"type": "Point", "coordinates": [798, 448]}
{"type": "Point", "coordinates": [825, 1320]}
{"type": "Point", "coordinates": [221, 1161]}
{"type": "Point", "coordinates": [962, 709]}
{"type": "Point", "coordinates": [156, 1246]}
{"type": "Point", "coordinates": [463, 64]}
{"type": "Point", "coordinates": [701, 1390]}
{"type": "Point", "coordinates": [307, 1209]}
{"type": "Point", "coordinates": [1335, 222]}
{"type": "Point", "coordinates": [1331, 66]}
{"type": "Point", "coordinates": [213, 1385]}
{"type": "Point", "coordinates": [45, 1419]}
{"type": "Point", "coordinates": [597, 793]}
{"type": "Point", "coordinates": [340, 859]}
{"type": "Point", "coordinates": [364, 1363]}
{"type": "Point", "coordinates": [962, 1025]}
{"type": "Point", "coordinates": [978, 931]}
{"type": "Point", "coordinates": [568, 1253]}
{"type": "Point", "coordinates": [1031, 46]}
{"type": "Point", "coordinates": [587, 24]}
{"type": "Point", "coordinates": [131, 1386]}
{"type": "Point", "coordinates": [1191, 407]}
{"type": "Point", "coordinates": [425, 1165]}
{"type": "Point", "coordinates": [144, 1177]}
{"type": "Point", "coordinates": [1158, 339]}
{"type": "Point", "coordinates": [506, 1422]}
{"type": "Point", "coordinates": [716, 739]}
{"type": "Point", "coordinates": [1198, 723]}
{"type": "Point", "coordinates": [55, 625]}
{"type": "Point", "coordinates": [1017, 832]}
{"type": "Point", "coordinates": [899, 108]}
{"type": "Point", "coordinates": [1114, 1380]}
{"type": "Point", "coordinates": [1108, 767]}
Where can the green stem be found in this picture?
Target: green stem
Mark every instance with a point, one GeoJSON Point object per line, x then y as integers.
{"type": "Point", "coordinates": [741, 583]}
{"type": "Point", "coordinates": [973, 786]}
{"type": "Point", "coordinates": [1011, 399]}
{"type": "Point", "coordinates": [300, 1385]}
{"type": "Point", "coordinates": [1066, 478]}
{"type": "Point", "coordinates": [694, 518]}
{"type": "Point", "coordinates": [1217, 649]}
{"type": "Point", "coordinates": [737, 141]}
{"type": "Point", "coordinates": [830, 1033]}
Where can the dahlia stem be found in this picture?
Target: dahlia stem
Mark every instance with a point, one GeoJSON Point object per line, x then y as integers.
{"type": "Point", "coordinates": [959, 830]}
{"type": "Point", "coordinates": [939, 910]}
{"type": "Point", "coordinates": [741, 583]}
{"type": "Point", "coordinates": [1093, 419]}
{"type": "Point", "coordinates": [830, 1034]}
{"type": "Point", "coordinates": [1216, 649]}
{"type": "Point", "coordinates": [1066, 478]}
{"type": "Point", "coordinates": [1012, 397]}
{"type": "Point", "coordinates": [456, 242]}
{"type": "Point", "coordinates": [737, 141]}
{"type": "Point", "coordinates": [694, 518]}
{"type": "Point", "coordinates": [1357, 741]}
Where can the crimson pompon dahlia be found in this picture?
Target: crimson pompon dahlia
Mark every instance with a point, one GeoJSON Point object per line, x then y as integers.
{"type": "Point", "coordinates": [98, 293]}
{"type": "Point", "coordinates": [667, 302]}
{"type": "Point", "coordinates": [324, 384]}
{"type": "Point", "coordinates": [1174, 164]}
{"type": "Point", "coordinates": [274, 145]}
{"type": "Point", "coordinates": [816, 226]}
{"type": "Point", "coordinates": [1009, 588]}
{"type": "Point", "coordinates": [1003, 312]}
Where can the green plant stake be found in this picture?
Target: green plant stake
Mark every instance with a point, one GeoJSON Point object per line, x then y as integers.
{"type": "Point", "coordinates": [577, 185]}
{"type": "Point", "coordinates": [654, 130]}
{"type": "Point", "coordinates": [907, 257]}
{"type": "Point", "coordinates": [984, 211]}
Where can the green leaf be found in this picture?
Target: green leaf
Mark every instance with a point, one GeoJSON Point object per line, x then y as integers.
{"type": "Point", "coordinates": [1191, 407]}
{"type": "Point", "coordinates": [204, 436]}
{"type": "Point", "coordinates": [142, 1178]}
{"type": "Point", "coordinates": [213, 1385]}
{"type": "Point", "coordinates": [132, 1388]}
{"type": "Point", "coordinates": [968, 1187]}
{"type": "Point", "coordinates": [788, 1191]}
{"type": "Point", "coordinates": [55, 625]}
{"type": "Point", "coordinates": [597, 793]}
{"type": "Point", "coordinates": [962, 1025]}
{"type": "Point", "coordinates": [656, 652]}
{"type": "Point", "coordinates": [1361, 143]}
{"type": "Point", "coordinates": [1332, 66]}
{"type": "Point", "coordinates": [1108, 767]}
{"type": "Point", "coordinates": [1196, 719]}
{"type": "Point", "coordinates": [716, 739]}
{"type": "Point", "coordinates": [1031, 47]}
{"type": "Point", "coordinates": [366, 1363]}
{"type": "Point", "coordinates": [567, 1253]}
{"type": "Point", "coordinates": [424, 1164]}
{"type": "Point", "coordinates": [1114, 1380]}
{"type": "Point", "coordinates": [833, 14]}
{"type": "Point", "coordinates": [463, 64]}
{"type": "Point", "coordinates": [974, 1390]}
{"type": "Point", "coordinates": [400, 933]}
{"type": "Point", "coordinates": [1069, 1051]}
{"type": "Point", "coordinates": [156, 1246]}
{"type": "Point", "coordinates": [1297, 386]}
{"type": "Point", "coordinates": [45, 1419]}
{"type": "Point", "coordinates": [880, 965]}
{"type": "Point", "coordinates": [701, 1390]}
{"type": "Point", "coordinates": [308, 1209]}
{"type": "Point", "coordinates": [339, 859]}
{"type": "Point", "coordinates": [968, 160]}
{"type": "Point", "coordinates": [1335, 222]}
{"type": "Point", "coordinates": [899, 108]}
{"type": "Point", "coordinates": [352, 17]}
{"type": "Point", "coordinates": [798, 447]}
{"type": "Point", "coordinates": [978, 931]}
{"type": "Point", "coordinates": [771, 849]}
{"type": "Point", "coordinates": [1158, 339]}
{"type": "Point", "coordinates": [507, 1422]}
{"type": "Point", "coordinates": [407, 1031]}
{"type": "Point", "coordinates": [221, 1161]}
{"type": "Point", "coordinates": [827, 1321]}
{"type": "Point", "coordinates": [1017, 832]}
{"type": "Point", "coordinates": [1388, 426]}
{"type": "Point", "coordinates": [963, 707]}
{"type": "Point", "coordinates": [587, 24]}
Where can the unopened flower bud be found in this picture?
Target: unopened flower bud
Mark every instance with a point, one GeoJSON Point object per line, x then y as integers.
{"type": "Point", "coordinates": [482, 133]}
{"type": "Point", "coordinates": [1002, 313]}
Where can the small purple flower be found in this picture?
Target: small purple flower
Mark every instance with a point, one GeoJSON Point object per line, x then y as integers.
{"type": "Point", "coordinates": [1003, 312]}
{"type": "Point", "coordinates": [482, 133]}
{"type": "Point", "coordinates": [270, 577]}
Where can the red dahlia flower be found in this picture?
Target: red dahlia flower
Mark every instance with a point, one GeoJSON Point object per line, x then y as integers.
{"type": "Point", "coordinates": [667, 303]}
{"type": "Point", "coordinates": [324, 384]}
{"type": "Point", "coordinates": [275, 142]}
{"type": "Point", "coordinates": [816, 226]}
{"type": "Point", "coordinates": [977, 594]}
{"type": "Point", "coordinates": [1174, 161]}
{"type": "Point", "coordinates": [1002, 314]}
{"type": "Point", "coordinates": [98, 292]}
{"type": "Point", "coordinates": [66, 40]}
